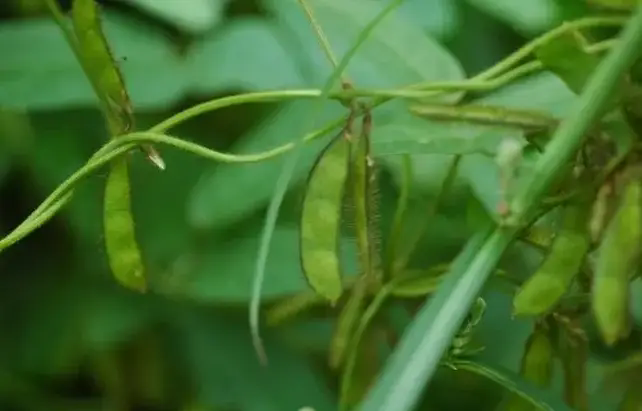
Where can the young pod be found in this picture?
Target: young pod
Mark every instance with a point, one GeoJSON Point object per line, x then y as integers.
{"type": "Point", "coordinates": [543, 290]}
{"type": "Point", "coordinates": [617, 259]}
{"type": "Point", "coordinates": [124, 256]}
{"type": "Point", "coordinates": [321, 218]}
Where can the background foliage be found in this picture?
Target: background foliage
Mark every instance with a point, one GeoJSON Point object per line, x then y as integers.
{"type": "Point", "coordinates": [71, 339]}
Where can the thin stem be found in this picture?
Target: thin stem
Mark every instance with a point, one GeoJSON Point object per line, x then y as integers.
{"type": "Point", "coordinates": [323, 40]}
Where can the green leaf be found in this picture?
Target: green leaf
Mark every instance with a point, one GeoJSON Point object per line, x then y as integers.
{"type": "Point", "coordinates": [226, 373]}
{"type": "Point", "coordinates": [438, 17]}
{"type": "Point", "coordinates": [396, 53]}
{"type": "Point", "coordinates": [527, 16]}
{"type": "Point", "coordinates": [222, 271]}
{"type": "Point", "coordinates": [237, 56]}
{"type": "Point", "coordinates": [195, 16]}
{"type": "Point", "coordinates": [39, 70]}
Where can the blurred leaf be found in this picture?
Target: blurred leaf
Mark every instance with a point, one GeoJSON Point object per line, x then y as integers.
{"type": "Point", "coordinates": [222, 272]}
{"type": "Point", "coordinates": [438, 17]}
{"type": "Point", "coordinates": [238, 55]}
{"type": "Point", "coordinates": [194, 16]}
{"type": "Point", "coordinates": [526, 16]}
{"type": "Point", "coordinates": [396, 53]}
{"type": "Point", "coordinates": [615, 4]}
{"type": "Point", "coordinates": [227, 373]}
{"type": "Point", "coordinates": [40, 71]}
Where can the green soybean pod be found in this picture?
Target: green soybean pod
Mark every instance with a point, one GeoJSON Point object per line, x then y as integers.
{"type": "Point", "coordinates": [99, 63]}
{"type": "Point", "coordinates": [104, 74]}
{"type": "Point", "coordinates": [617, 259]}
{"type": "Point", "coordinates": [124, 256]}
{"type": "Point", "coordinates": [321, 218]}
{"type": "Point", "coordinates": [543, 290]}
{"type": "Point", "coordinates": [347, 324]}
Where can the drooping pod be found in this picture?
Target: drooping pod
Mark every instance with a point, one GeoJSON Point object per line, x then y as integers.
{"type": "Point", "coordinates": [617, 259]}
{"type": "Point", "coordinates": [543, 290]}
{"type": "Point", "coordinates": [124, 256]}
{"type": "Point", "coordinates": [321, 218]}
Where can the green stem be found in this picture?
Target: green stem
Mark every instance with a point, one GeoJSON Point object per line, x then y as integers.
{"type": "Point", "coordinates": [323, 40]}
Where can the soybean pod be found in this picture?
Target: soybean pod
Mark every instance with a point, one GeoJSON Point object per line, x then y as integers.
{"type": "Point", "coordinates": [103, 73]}
{"type": "Point", "coordinates": [100, 66]}
{"type": "Point", "coordinates": [124, 256]}
{"type": "Point", "coordinates": [617, 259]}
{"type": "Point", "coordinates": [544, 289]}
{"type": "Point", "coordinates": [321, 218]}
